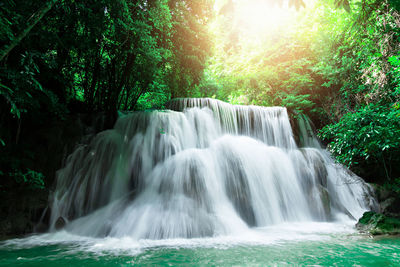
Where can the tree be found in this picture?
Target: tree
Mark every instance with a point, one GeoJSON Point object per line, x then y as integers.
{"type": "Point", "coordinates": [33, 20]}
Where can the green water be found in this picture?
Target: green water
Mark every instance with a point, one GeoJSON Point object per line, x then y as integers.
{"type": "Point", "coordinates": [312, 245]}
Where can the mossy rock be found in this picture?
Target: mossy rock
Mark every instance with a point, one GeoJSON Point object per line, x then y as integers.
{"type": "Point", "coordinates": [378, 224]}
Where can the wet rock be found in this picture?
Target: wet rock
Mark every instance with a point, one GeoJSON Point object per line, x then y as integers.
{"type": "Point", "coordinates": [326, 202]}
{"type": "Point", "coordinates": [393, 209]}
{"type": "Point", "coordinates": [40, 228]}
{"type": "Point", "coordinates": [389, 201]}
{"type": "Point", "coordinates": [60, 223]}
{"type": "Point", "coordinates": [381, 192]}
{"type": "Point", "coordinates": [385, 204]}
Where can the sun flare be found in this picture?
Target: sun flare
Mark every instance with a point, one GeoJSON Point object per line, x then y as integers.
{"type": "Point", "coordinates": [258, 18]}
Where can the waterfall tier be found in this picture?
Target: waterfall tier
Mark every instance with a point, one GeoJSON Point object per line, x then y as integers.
{"type": "Point", "coordinates": [206, 169]}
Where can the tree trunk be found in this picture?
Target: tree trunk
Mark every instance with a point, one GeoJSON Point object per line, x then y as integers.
{"type": "Point", "coordinates": [89, 94]}
{"type": "Point", "coordinates": [130, 60]}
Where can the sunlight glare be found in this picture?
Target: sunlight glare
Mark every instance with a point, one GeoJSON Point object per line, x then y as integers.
{"type": "Point", "coordinates": [257, 17]}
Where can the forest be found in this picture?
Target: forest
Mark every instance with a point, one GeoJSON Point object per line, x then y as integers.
{"type": "Point", "coordinates": [69, 68]}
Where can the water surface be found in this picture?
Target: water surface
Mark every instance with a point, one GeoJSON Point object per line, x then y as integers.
{"type": "Point", "coordinates": [323, 244]}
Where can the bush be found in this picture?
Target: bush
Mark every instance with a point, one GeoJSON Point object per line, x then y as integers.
{"type": "Point", "coordinates": [30, 178]}
{"type": "Point", "coordinates": [369, 135]}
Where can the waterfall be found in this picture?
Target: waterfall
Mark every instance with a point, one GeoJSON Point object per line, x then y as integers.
{"type": "Point", "coordinates": [202, 168]}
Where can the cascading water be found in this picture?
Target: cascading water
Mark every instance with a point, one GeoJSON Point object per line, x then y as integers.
{"type": "Point", "coordinates": [206, 169]}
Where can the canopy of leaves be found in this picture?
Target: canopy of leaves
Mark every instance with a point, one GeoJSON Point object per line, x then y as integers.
{"type": "Point", "coordinates": [62, 57]}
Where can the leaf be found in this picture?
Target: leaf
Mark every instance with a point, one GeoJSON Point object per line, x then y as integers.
{"type": "Point", "coordinates": [5, 87]}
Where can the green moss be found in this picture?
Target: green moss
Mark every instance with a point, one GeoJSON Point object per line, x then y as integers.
{"type": "Point", "coordinates": [378, 224]}
{"type": "Point", "coordinates": [366, 218]}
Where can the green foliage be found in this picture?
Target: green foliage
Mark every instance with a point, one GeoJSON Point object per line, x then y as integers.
{"type": "Point", "coordinates": [104, 53]}
{"type": "Point", "coordinates": [152, 100]}
{"type": "Point", "coordinates": [339, 64]}
{"type": "Point", "coordinates": [298, 103]}
{"type": "Point", "coordinates": [190, 45]}
{"type": "Point", "coordinates": [369, 135]}
{"type": "Point", "coordinates": [363, 98]}
{"type": "Point", "coordinates": [393, 186]}
{"type": "Point", "coordinates": [395, 73]}
{"type": "Point", "coordinates": [89, 56]}
{"type": "Point", "coordinates": [270, 68]}
{"type": "Point", "coordinates": [29, 178]}
{"type": "Point", "coordinates": [378, 224]}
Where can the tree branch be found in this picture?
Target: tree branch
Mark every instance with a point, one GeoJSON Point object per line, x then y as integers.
{"type": "Point", "coordinates": [36, 17]}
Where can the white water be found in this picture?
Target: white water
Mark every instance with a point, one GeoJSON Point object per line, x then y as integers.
{"type": "Point", "coordinates": [281, 234]}
{"type": "Point", "coordinates": [212, 170]}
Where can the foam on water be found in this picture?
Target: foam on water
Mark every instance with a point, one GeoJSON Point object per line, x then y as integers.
{"type": "Point", "coordinates": [271, 235]}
